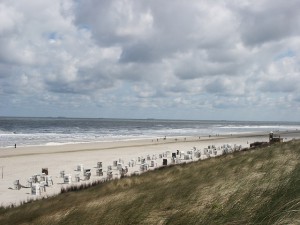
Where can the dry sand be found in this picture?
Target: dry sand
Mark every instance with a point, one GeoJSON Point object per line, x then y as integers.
{"type": "Point", "coordinates": [23, 162]}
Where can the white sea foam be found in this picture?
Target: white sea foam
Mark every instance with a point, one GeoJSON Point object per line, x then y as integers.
{"type": "Point", "coordinates": [28, 132]}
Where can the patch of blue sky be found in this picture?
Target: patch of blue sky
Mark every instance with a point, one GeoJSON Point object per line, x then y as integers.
{"type": "Point", "coordinates": [284, 54]}
{"type": "Point", "coordinates": [84, 27]}
{"type": "Point", "coordinates": [53, 36]}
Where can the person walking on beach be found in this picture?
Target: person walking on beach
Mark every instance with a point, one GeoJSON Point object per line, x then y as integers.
{"type": "Point", "coordinates": [15, 145]}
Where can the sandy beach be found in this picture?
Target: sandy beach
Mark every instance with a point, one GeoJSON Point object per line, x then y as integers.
{"type": "Point", "coordinates": [23, 162]}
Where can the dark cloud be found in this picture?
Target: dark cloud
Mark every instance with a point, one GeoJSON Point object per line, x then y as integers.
{"type": "Point", "coordinates": [268, 20]}
{"type": "Point", "coordinates": [5, 71]}
{"type": "Point", "coordinates": [217, 86]}
{"type": "Point", "coordinates": [139, 53]}
{"type": "Point", "coordinates": [281, 85]}
{"type": "Point", "coordinates": [111, 22]}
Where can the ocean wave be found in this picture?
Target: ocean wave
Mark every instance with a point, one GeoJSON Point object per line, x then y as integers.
{"type": "Point", "coordinates": [59, 132]}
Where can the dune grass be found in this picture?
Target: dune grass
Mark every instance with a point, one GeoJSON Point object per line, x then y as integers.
{"type": "Point", "coordinates": [260, 186]}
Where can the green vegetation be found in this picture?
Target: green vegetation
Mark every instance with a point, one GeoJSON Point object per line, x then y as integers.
{"type": "Point", "coordinates": [260, 186]}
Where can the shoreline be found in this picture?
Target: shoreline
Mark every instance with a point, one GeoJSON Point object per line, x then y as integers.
{"type": "Point", "coordinates": [23, 162]}
{"type": "Point", "coordinates": [135, 138]}
{"type": "Point", "coordinates": [119, 144]}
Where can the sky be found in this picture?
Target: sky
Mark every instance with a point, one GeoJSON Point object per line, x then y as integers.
{"type": "Point", "coordinates": [170, 59]}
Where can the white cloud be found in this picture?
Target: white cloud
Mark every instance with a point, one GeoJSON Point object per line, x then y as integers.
{"type": "Point", "coordinates": [162, 55]}
{"type": "Point", "coordinates": [8, 19]}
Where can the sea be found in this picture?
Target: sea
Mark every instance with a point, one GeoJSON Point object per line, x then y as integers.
{"type": "Point", "coordinates": [58, 131]}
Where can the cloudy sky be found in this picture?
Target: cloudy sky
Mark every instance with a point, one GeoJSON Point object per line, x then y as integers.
{"type": "Point", "coordinates": [174, 59]}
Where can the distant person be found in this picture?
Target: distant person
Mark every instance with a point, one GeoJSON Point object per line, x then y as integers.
{"type": "Point", "coordinates": [15, 145]}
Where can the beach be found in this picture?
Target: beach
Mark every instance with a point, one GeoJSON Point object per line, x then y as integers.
{"type": "Point", "coordinates": [23, 162]}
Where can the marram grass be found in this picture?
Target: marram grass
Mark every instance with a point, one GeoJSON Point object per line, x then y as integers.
{"type": "Point", "coordinates": [260, 186]}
